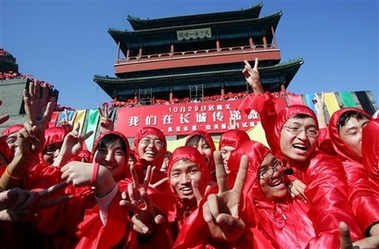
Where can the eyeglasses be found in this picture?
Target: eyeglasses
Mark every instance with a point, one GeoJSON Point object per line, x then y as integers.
{"type": "Point", "coordinates": [147, 141]}
{"type": "Point", "coordinates": [311, 132]}
{"type": "Point", "coordinates": [266, 172]}
{"type": "Point", "coordinates": [50, 150]}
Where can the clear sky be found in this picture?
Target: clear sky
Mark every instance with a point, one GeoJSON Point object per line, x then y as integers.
{"type": "Point", "coordinates": [66, 42]}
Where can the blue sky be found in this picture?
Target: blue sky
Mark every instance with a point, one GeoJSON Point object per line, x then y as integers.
{"type": "Point", "coordinates": [66, 42]}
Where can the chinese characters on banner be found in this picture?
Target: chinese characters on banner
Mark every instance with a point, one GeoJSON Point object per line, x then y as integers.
{"type": "Point", "coordinates": [183, 119]}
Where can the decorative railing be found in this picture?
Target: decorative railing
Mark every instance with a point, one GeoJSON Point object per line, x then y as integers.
{"type": "Point", "coordinates": [205, 52]}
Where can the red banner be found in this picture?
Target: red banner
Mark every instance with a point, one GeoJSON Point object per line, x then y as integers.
{"type": "Point", "coordinates": [184, 118]}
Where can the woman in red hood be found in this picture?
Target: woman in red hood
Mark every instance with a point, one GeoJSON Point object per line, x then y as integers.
{"type": "Point", "coordinates": [292, 135]}
{"type": "Point", "coordinates": [149, 149]}
{"type": "Point", "coordinates": [345, 131]}
{"type": "Point", "coordinates": [203, 142]}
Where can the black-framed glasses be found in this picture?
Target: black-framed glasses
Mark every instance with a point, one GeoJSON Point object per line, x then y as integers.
{"type": "Point", "coordinates": [148, 141]}
{"type": "Point", "coordinates": [311, 132]}
{"type": "Point", "coordinates": [267, 172]}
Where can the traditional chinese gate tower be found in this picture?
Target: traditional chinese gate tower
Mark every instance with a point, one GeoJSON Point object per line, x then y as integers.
{"type": "Point", "coordinates": [180, 63]}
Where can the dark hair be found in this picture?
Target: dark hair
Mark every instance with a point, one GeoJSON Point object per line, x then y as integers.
{"type": "Point", "coordinates": [345, 117]}
{"type": "Point", "coordinates": [110, 139]}
{"type": "Point", "coordinates": [168, 154]}
{"type": "Point", "coordinates": [194, 141]}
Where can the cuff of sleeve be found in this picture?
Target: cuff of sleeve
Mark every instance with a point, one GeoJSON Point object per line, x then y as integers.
{"type": "Point", "coordinates": [104, 203]}
{"type": "Point", "coordinates": [106, 200]}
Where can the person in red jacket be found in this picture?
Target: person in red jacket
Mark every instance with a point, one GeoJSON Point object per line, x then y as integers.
{"type": "Point", "coordinates": [259, 199]}
{"type": "Point", "coordinates": [106, 223]}
{"type": "Point", "coordinates": [292, 136]}
{"type": "Point", "coordinates": [217, 222]}
{"type": "Point", "coordinates": [370, 152]}
{"type": "Point", "coordinates": [186, 169]}
{"type": "Point", "coordinates": [281, 218]}
{"type": "Point", "coordinates": [345, 131]}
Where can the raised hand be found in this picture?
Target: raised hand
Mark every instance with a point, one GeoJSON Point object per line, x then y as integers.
{"type": "Point", "coordinates": [198, 194]}
{"type": "Point", "coordinates": [30, 140]}
{"type": "Point", "coordinates": [37, 106]}
{"type": "Point", "coordinates": [72, 145]}
{"type": "Point", "coordinates": [106, 124]}
{"type": "Point", "coordinates": [319, 102]}
{"type": "Point", "coordinates": [319, 105]}
{"type": "Point", "coordinates": [137, 200]}
{"type": "Point", "coordinates": [68, 124]}
{"type": "Point", "coordinates": [16, 203]}
{"type": "Point", "coordinates": [221, 210]}
{"type": "Point", "coordinates": [252, 76]}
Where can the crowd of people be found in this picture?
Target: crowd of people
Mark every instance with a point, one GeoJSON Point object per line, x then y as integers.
{"type": "Point", "coordinates": [315, 186]}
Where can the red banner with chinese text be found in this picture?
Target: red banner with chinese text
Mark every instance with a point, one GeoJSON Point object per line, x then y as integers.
{"type": "Point", "coordinates": [184, 118]}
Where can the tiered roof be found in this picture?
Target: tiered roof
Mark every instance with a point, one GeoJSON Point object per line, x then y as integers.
{"type": "Point", "coordinates": [226, 29]}
{"type": "Point", "coordinates": [139, 24]}
{"type": "Point", "coordinates": [156, 57]}
{"type": "Point", "coordinates": [272, 78]}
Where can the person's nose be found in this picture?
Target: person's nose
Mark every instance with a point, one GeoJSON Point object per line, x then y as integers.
{"type": "Point", "coordinates": [109, 157]}
{"type": "Point", "coordinates": [184, 178]}
{"type": "Point", "coordinates": [275, 172]}
{"type": "Point", "coordinates": [302, 135]}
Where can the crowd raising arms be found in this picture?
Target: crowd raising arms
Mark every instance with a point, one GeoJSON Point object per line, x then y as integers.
{"type": "Point", "coordinates": [257, 201]}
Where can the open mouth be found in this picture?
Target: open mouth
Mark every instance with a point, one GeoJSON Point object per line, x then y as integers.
{"type": "Point", "coordinates": [150, 153]}
{"type": "Point", "coordinates": [186, 190]}
{"type": "Point", "coordinates": [275, 182]}
{"type": "Point", "coordinates": [300, 147]}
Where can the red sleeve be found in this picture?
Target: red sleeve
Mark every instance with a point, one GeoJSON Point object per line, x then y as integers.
{"type": "Point", "coordinates": [93, 234]}
{"type": "Point", "coordinates": [362, 196]}
{"type": "Point", "coordinates": [42, 176]}
{"type": "Point", "coordinates": [324, 142]}
{"type": "Point", "coordinates": [327, 189]}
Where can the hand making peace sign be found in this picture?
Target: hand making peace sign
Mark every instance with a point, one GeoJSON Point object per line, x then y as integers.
{"type": "Point", "coordinates": [221, 210]}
